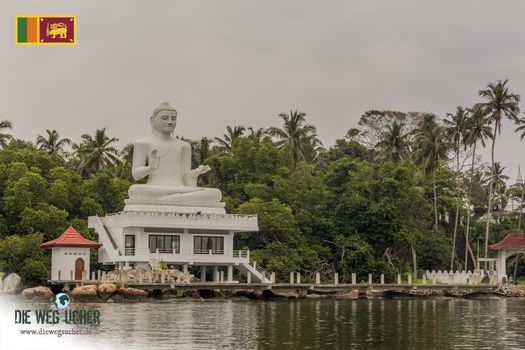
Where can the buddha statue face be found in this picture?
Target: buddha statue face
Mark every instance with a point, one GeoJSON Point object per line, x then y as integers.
{"type": "Point", "coordinates": [164, 120]}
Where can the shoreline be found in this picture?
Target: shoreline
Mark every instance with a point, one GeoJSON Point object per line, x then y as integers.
{"type": "Point", "coordinates": [109, 293]}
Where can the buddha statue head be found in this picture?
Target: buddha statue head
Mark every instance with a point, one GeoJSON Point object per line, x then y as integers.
{"type": "Point", "coordinates": [164, 119]}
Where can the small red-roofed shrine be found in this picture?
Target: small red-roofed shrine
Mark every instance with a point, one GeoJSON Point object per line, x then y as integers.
{"type": "Point", "coordinates": [70, 256]}
{"type": "Point", "coordinates": [513, 243]}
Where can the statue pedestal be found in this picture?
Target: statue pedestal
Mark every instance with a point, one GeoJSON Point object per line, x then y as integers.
{"type": "Point", "coordinates": [142, 205]}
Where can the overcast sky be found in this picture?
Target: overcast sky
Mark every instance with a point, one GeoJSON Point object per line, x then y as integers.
{"type": "Point", "coordinates": [243, 62]}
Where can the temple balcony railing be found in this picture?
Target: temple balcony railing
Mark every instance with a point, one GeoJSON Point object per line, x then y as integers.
{"type": "Point", "coordinates": [232, 222]}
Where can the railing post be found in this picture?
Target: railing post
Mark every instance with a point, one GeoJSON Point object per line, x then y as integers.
{"type": "Point", "coordinates": [369, 278]}
{"type": "Point", "coordinates": [409, 278]}
{"type": "Point", "coordinates": [317, 278]}
{"type": "Point", "coordinates": [291, 277]}
{"type": "Point", "coordinates": [273, 277]}
{"type": "Point", "coordinates": [162, 276]}
{"type": "Point", "coordinates": [336, 278]}
{"type": "Point", "coordinates": [424, 279]}
{"type": "Point", "coordinates": [98, 275]}
{"type": "Point", "coordinates": [248, 277]}
{"type": "Point", "coordinates": [93, 275]}
{"type": "Point", "coordinates": [59, 273]}
{"type": "Point", "coordinates": [140, 276]}
{"type": "Point", "coordinates": [209, 252]}
{"type": "Point", "coordinates": [398, 278]}
{"type": "Point", "coordinates": [354, 278]}
{"type": "Point", "coordinates": [248, 254]}
{"type": "Point", "coordinates": [382, 278]}
{"type": "Point", "coordinates": [298, 278]}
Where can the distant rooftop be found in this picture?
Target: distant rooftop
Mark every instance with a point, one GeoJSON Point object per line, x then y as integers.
{"type": "Point", "coordinates": [515, 240]}
{"type": "Point", "coordinates": [71, 238]}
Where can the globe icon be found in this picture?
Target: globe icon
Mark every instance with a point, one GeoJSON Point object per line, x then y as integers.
{"type": "Point", "coordinates": [62, 300]}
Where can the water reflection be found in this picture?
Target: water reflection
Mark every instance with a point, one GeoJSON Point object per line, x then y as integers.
{"type": "Point", "coordinates": [313, 324]}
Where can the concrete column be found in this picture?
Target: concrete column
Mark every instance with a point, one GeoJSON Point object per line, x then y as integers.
{"type": "Point", "coordinates": [248, 277]}
{"type": "Point", "coordinates": [203, 273]}
{"type": "Point", "coordinates": [398, 278]}
{"type": "Point", "coordinates": [382, 278]}
{"type": "Point", "coordinates": [229, 274]}
{"type": "Point", "coordinates": [216, 273]}
{"type": "Point", "coordinates": [336, 278]}
{"type": "Point", "coordinates": [298, 278]}
{"type": "Point", "coordinates": [317, 278]}
{"type": "Point", "coordinates": [185, 268]}
{"type": "Point", "coordinates": [221, 276]}
{"type": "Point", "coordinates": [291, 277]}
{"type": "Point", "coordinates": [354, 278]}
{"type": "Point", "coordinates": [409, 278]}
{"type": "Point", "coordinates": [273, 277]}
{"type": "Point", "coordinates": [369, 278]}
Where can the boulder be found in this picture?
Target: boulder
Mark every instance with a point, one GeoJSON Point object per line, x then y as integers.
{"type": "Point", "coordinates": [38, 293]}
{"type": "Point", "coordinates": [354, 294]}
{"type": "Point", "coordinates": [106, 290]}
{"type": "Point", "coordinates": [285, 293]}
{"type": "Point", "coordinates": [11, 283]}
{"type": "Point", "coordinates": [178, 276]}
{"type": "Point", "coordinates": [84, 293]}
{"type": "Point", "coordinates": [133, 293]}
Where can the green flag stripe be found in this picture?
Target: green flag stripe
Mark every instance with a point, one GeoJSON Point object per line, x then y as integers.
{"type": "Point", "coordinates": [22, 30]}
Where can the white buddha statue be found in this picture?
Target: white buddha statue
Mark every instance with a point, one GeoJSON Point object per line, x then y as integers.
{"type": "Point", "coordinates": [166, 161]}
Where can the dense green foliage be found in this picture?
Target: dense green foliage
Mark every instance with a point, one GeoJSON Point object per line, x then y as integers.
{"type": "Point", "coordinates": [389, 197]}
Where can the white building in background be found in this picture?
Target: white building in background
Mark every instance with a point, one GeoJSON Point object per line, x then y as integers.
{"type": "Point", "coordinates": [170, 218]}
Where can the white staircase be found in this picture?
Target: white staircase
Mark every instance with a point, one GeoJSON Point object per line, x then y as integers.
{"type": "Point", "coordinates": [108, 243]}
{"type": "Point", "coordinates": [257, 272]}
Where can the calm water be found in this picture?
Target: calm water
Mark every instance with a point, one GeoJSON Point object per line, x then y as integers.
{"type": "Point", "coordinates": [311, 324]}
{"type": "Point", "coordinates": [315, 324]}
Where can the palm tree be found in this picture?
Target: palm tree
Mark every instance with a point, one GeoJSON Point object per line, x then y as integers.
{"type": "Point", "coordinates": [477, 130]}
{"type": "Point", "coordinates": [455, 128]}
{"type": "Point", "coordinates": [226, 142]}
{"type": "Point", "coordinates": [257, 134]}
{"type": "Point", "coordinates": [4, 137]}
{"type": "Point", "coordinates": [500, 103]}
{"type": "Point", "coordinates": [52, 143]}
{"type": "Point", "coordinates": [295, 134]}
{"type": "Point", "coordinates": [394, 144]}
{"type": "Point", "coordinates": [95, 152]}
{"type": "Point", "coordinates": [521, 128]}
{"type": "Point", "coordinates": [431, 149]}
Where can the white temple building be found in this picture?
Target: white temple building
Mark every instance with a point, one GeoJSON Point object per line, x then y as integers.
{"type": "Point", "coordinates": [169, 218]}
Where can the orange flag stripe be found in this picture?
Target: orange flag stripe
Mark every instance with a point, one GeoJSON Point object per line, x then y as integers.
{"type": "Point", "coordinates": [32, 30]}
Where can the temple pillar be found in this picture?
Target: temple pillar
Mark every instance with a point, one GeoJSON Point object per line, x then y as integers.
{"type": "Point", "coordinates": [203, 273]}
{"type": "Point", "coordinates": [229, 273]}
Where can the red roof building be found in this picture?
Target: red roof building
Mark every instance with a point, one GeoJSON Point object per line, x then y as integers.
{"type": "Point", "coordinates": [71, 238]}
{"type": "Point", "coordinates": [515, 240]}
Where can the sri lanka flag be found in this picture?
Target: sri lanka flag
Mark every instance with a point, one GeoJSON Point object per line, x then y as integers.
{"type": "Point", "coordinates": [45, 30]}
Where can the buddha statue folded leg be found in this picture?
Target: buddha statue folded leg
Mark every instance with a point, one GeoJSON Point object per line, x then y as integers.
{"type": "Point", "coordinates": [166, 193]}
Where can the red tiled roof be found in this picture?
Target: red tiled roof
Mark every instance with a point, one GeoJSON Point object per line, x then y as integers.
{"type": "Point", "coordinates": [71, 238]}
{"type": "Point", "coordinates": [511, 241]}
